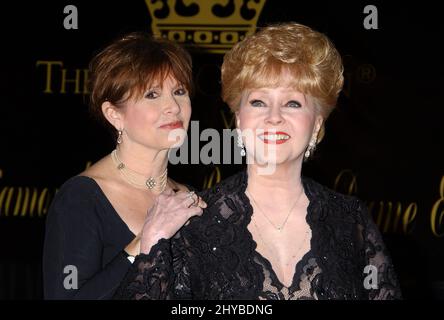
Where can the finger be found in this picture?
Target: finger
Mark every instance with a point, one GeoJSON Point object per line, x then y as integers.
{"type": "Point", "coordinates": [168, 192]}
{"type": "Point", "coordinates": [189, 202]}
{"type": "Point", "coordinates": [201, 203]}
{"type": "Point", "coordinates": [191, 199]}
{"type": "Point", "coordinates": [182, 195]}
{"type": "Point", "coordinates": [195, 211]}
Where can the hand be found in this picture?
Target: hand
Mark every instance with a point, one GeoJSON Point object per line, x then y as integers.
{"type": "Point", "coordinates": [168, 214]}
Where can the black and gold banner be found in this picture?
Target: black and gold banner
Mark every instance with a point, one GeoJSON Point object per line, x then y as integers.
{"type": "Point", "coordinates": [384, 142]}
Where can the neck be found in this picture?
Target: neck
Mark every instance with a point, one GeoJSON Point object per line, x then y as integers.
{"type": "Point", "coordinates": [283, 184]}
{"type": "Point", "coordinates": [145, 161]}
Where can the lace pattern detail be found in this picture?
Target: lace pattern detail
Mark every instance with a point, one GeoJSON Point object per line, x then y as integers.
{"type": "Point", "coordinates": [215, 256]}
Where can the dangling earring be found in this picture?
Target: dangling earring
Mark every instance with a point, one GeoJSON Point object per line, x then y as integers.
{"type": "Point", "coordinates": [119, 138]}
{"type": "Point", "coordinates": [240, 143]}
{"type": "Point", "coordinates": [310, 149]}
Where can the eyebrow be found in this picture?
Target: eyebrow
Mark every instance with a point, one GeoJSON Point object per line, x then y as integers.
{"type": "Point", "coordinates": [158, 86]}
{"type": "Point", "coordinates": [266, 90]}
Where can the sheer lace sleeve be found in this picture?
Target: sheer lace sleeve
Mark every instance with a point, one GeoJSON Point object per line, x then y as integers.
{"type": "Point", "coordinates": [377, 261]}
{"type": "Point", "coordinates": [159, 275]}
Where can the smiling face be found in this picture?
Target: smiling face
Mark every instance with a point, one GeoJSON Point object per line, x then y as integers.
{"type": "Point", "coordinates": [277, 123]}
{"type": "Point", "coordinates": [149, 120]}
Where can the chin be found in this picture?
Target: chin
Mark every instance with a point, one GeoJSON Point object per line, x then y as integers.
{"type": "Point", "coordinates": [164, 144]}
{"type": "Point", "coordinates": [265, 161]}
{"type": "Point", "coordinates": [175, 138]}
{"type": "Point", "coordinates": [170, 145]}
{"type": "Point", "coordinates": [278, 159]}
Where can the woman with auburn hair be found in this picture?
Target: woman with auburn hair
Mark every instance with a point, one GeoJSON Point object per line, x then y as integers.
{"type": "Point", "coordinates": [269, 232]}
{"type": "Point", "coordinates": [140, 88]}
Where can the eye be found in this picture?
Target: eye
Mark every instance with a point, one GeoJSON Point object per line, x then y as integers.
{"type": "Point", "coordinates": [152, 94]}
{"type": "Point", "coordinates": [293, 104]}
{"type": "Point", "coordinates": [180, 92]}
{"type": "Point", "coordinates": [257, 103]}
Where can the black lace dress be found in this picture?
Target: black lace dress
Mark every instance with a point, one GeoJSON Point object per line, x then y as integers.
{"type": "Point", "coordinates": [214, 257]}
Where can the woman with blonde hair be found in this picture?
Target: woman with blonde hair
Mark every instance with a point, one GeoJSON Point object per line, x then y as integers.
{"type": "Point", "coordinates": [273, 234]}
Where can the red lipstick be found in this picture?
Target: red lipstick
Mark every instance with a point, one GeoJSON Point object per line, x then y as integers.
{"type": "Point", "coordinates": [284, 137]}
{"type": "Point", "coordinates": [172, 125]}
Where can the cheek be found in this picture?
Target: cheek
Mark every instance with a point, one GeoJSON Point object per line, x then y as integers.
{"type": "Point", "coordinates": [185, 113]}
{"type": "Point", "coordinates": [247, 119]}
{"type": "Point", "coordinates": [302, 129]}
{"type": "Point", "coordinates": [141, 118]}
{"type": "Point", "coordinates": [185, 109]}
{"type": "Point", "coordinates": [303, 123]}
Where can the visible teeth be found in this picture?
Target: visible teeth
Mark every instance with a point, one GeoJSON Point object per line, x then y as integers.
{"type": "Point", "coordinates": [275, 137]}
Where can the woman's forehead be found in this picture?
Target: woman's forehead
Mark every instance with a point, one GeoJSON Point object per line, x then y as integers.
{"type": "Point", "coordinates": [284, 79]}
{"type": "Point", "coordinates": [276, 90]}
{"type": "Point", "coordinates": [159, 82]}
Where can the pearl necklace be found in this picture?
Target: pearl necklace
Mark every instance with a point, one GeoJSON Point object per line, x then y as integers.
{"type": "Point", "coordinates": [134, 178]}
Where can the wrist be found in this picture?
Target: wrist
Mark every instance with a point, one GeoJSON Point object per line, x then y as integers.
{"type": "Point", "coordinates": [147, 241]}
{"type": "Point", "coordinates": [146, 245]}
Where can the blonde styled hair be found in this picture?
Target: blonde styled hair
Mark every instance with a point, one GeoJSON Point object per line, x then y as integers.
{"type": "Point", "coordinates": [260, 60]}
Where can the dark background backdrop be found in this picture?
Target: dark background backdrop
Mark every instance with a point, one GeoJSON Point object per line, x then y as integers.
{"type": "Point", "coordinates": [387, 131]}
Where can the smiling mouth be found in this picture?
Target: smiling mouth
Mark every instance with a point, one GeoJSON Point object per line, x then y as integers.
{"type": "Point", "coordinates": [172, 125]}
{"type": "Point", "coordinates": [275, 138]}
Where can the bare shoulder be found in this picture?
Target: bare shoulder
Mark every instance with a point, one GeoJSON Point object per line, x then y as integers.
{"type": "Point", "coordinates": [104, 173]}
{"type": "Point", "coordinates": [100, 170]}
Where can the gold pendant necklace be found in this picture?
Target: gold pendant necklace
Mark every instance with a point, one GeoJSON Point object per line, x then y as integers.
{"type": "Point", "coordinates": [281, 227]}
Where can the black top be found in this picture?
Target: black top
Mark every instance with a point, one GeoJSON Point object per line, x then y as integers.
{"type": "Point", "coordinates": [215, 256]}
{"type": "Point", "coordinates": [84, 231]}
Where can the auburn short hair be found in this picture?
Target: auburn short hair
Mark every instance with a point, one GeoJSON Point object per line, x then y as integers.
{"type": "Point", "coordinates": [131, 64]}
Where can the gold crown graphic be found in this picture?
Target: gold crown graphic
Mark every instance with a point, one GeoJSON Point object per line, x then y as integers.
{"type": "Point", "coordinates": [212, 25]}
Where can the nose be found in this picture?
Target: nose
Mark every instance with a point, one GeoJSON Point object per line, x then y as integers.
{"type": "Point", "coordinates": [274, 116]}
{"type": "Point", "coordinates": [172, 106]}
